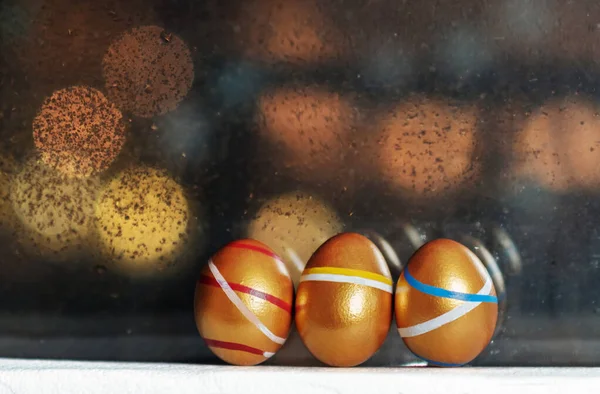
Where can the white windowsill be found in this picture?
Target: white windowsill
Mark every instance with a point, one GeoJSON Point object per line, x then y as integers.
{"type": "Point", "coordinates": [36, 377]}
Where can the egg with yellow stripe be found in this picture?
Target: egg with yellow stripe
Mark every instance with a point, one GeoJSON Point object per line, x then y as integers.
{"type": "Point", "coordinates": [344, 301]}
{"type": "Point", "coordinates": [446, 305]}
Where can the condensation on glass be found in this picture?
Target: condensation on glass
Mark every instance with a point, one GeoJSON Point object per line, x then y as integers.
{"type": "Point", "coordinates": [138, 137]}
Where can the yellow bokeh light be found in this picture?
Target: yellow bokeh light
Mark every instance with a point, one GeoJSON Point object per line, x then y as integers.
{"type": "Point", "coordinates": [294, 225]}
{"type": "Point", "coordinates": [143, 221]}
{"type": "Point", "coordinates": [56, 211]}
{"type": "Point", "coordinates": [7, 170]}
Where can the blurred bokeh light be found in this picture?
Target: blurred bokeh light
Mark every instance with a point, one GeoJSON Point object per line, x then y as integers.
{"type": "Point", "coordinates": [559, 145]}
{"type": "Point", "coordinates": [308, 126]}
{"type": "Point", "coordinates": [148, 71]}
{"type": "Point", "coordinates": [294, 225]}
{"type": "Point", "coordinates": [143, 222]}
{"type": "Point", "coordinates": [289, 32]}
{"type": "Point", "coordinates": [427, 147]}
{"type": "Point", "coordinates": [8, 169]}
{"type": "Point", "coordinates": [78, 131]}
{"type": "Point", "coordinates": [56, 210]}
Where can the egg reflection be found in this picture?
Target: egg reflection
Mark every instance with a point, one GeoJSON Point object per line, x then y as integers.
{"type": "Point", "coordinates": [143, 221]}
{"type": "Point", "coordinates": [78, 131]}
{"type": "Point", "coordinates": [391, 257]}
{"type": "Point", "coordinates": [148, 71]}
{"type": "Point", "coordinates": [295, 32]}
{"type": "Point", "coordinates": [493, 269]}
{"type": "Point", "coordinates": [309, 126]}
{"type": "Point", "coordinates": [427, 147]}
{"type": "Point", "coordinates": [56, 211]}
{"type": "Point", "coordinates": [294, 225]}
{"type": "Point", "coordinates": [559, 145]}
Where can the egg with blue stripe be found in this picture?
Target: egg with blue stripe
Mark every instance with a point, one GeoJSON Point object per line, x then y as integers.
{"type": "Point", "coordinates": [344, 301]}
{"type": "Point", "coordinates": [446, 304]}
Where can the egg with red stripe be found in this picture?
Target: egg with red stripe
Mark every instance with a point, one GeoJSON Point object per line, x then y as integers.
{"type": "Point", "coordinates": [446, 305]}
{"type": "Point", "coordinates": [243, 303]}
{"type": "Point", "coordinates": [344, 301]}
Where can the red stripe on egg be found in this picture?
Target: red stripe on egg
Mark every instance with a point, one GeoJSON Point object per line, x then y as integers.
{"type": "Point", "coordinates": [256, 248]}
{"type": "Point", "coordinates": [233, 346]}
{"type": "Point", "coordinates": [210, 281]}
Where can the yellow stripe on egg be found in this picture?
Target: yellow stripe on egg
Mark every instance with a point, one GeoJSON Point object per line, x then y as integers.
{"type": "Point", "coordinates": [348, 275]}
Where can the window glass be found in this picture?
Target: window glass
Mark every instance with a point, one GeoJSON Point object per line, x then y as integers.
{"type": "Point", "coordinates": [139, 137]}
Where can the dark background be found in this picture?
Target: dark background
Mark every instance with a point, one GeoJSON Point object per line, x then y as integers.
{"type": "Point", "coordinates": [505, 57]}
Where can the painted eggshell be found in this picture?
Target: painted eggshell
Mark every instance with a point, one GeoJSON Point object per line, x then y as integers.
{"type": "Point", "coordinates": [344, 301]}
{"type": "Point", "coordinates": [243, 303]}
{"type": "Point", "coordinates": [446, 304]}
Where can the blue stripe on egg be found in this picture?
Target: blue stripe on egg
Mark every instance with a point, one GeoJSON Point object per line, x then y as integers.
{"type": "Point", "coordinates": [439, 292]}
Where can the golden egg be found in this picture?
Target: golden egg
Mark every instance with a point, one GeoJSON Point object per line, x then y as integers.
{"type": "Point", "coordinates": [559, 145]}
{"type": "Point", "coordinates": [427, 147]}
{"type": "Point", "coordinates": [143, 222]}
{"type": "Point", "coordinates": [243, 303]}
{"type": "Point", "coordinates": [446, 304]}
{"type": "Point", "coordinates": [294, 225]}
{"type": "Point", "coordinates": [344, 301]}
{"type": "Point", "coordinates": [308, 126]}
